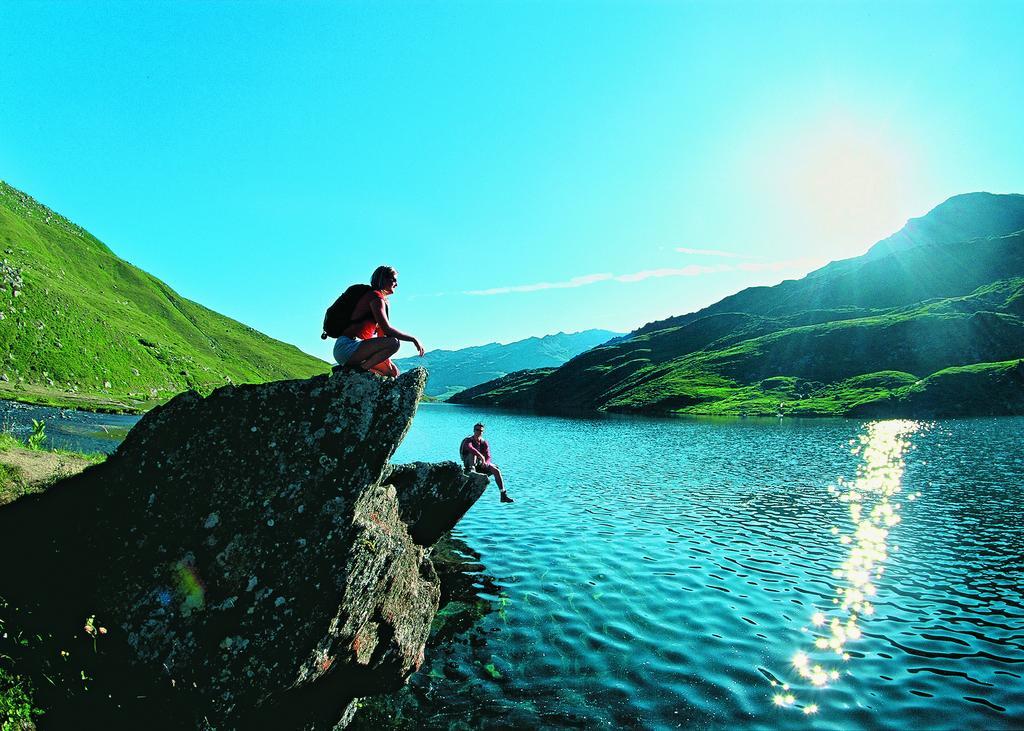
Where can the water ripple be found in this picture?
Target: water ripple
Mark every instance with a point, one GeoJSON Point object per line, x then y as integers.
{"type": "Point", "coordinates": [662, 573]}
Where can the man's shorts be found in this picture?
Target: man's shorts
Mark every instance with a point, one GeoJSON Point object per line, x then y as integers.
{"type": "Point", "coordinates": [473, 463]}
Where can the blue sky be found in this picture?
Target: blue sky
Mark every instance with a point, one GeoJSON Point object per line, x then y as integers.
{"type": "Point", "coordinates": [528, 167]}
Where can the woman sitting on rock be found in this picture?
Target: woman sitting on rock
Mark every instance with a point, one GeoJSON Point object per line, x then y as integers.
{"type": "Point", "coordinates": [370, 340]}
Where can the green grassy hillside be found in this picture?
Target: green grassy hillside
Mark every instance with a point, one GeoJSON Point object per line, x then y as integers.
{"type": "Point", "coordinates": [82, 327]}
{"type": "Point", "coordinates": [881, 333]}
{"type": "Point", "coordinates": [957, 247]}
{"type": "Point", "coordinates": [982, 388]}
{"type": "Point", "coordinates": [514, 390]}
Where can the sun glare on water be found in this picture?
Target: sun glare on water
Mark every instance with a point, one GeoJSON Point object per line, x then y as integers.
{"type": "Point", "coordinates": [874, 513]}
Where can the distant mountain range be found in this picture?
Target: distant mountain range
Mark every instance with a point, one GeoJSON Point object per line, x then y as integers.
{"type": "Point", "coordinates": [452, 371]}
{"type": "Point", "coordinates": [81, 327]}
{"type": "Point", "coordinates": [927, 322]}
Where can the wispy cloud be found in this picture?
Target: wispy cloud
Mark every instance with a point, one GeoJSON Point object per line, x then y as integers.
{"type": "Point", "coordinates": [805, 264]}
{"type": "Point", "coordinates": [574, 282]}
{"type": "Point", "coordinates": [714, 252]}
{"type": "Point", "coordinates": [692, 270]}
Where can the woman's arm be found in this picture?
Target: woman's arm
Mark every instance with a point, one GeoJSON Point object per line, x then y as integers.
{"type": "Point", "coordinates": [377, 308]}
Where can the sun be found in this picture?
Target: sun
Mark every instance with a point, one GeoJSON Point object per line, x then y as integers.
{"type": "Point", "coordinates": [846, 182]}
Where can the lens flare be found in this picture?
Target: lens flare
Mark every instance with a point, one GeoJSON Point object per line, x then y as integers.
{"type": "Point", "coordinates": [190, 586]}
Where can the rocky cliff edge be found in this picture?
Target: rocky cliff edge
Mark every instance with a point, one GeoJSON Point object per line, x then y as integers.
{"type": "Point", "coordinates": [253, 558]}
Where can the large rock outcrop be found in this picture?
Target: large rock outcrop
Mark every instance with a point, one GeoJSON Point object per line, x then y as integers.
{"type": "Point", "coordinates": [254, 556]}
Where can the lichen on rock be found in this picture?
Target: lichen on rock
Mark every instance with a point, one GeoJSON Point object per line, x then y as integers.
{"type": "Point", "coordinates": [254, 550]}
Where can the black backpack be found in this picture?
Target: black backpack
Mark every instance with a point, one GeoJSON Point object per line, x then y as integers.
{"type": "Point", "coordinates": [339, 315]}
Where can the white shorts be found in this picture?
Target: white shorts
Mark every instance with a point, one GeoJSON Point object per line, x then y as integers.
{"type": "Point", "coordinates": [344, 347]}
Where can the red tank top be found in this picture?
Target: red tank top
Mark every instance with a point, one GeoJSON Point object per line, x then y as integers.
{"type": "Point", "coordinates": [364, 325]}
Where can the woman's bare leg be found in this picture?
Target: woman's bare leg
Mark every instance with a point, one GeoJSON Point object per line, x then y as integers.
{"type": "Point", "coordinates": [385, 368]}
{"type": "Point", "coordinates": [373, 351]}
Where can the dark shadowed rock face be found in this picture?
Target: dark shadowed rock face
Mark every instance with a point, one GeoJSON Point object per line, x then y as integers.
{"type": "Point", "coordinates": [254, 549]}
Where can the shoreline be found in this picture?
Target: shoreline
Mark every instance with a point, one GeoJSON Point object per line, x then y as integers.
{"type": "Point", "coordinates": [34, 396]}
{"type": "Point", "coordinates": [922, 415]}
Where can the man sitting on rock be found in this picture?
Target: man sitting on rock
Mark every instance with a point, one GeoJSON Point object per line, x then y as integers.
{"type": "Point", "coordinates": [476, 455]}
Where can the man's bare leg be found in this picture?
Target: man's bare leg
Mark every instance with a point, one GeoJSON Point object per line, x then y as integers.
{"type": "Point", "coordinates": [493, 470]}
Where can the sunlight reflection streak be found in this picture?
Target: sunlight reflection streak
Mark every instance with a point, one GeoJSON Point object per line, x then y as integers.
{"type": "Point", "coordinates": [873, 513]}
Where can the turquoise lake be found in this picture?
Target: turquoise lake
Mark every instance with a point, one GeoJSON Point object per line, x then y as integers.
{"type": "Point", "coordinates": [666, 573]}
{"type": "Point", "coordinates": [721, 573]}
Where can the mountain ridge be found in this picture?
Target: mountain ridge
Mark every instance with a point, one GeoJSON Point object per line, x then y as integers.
{"type": "Point", "coordinates": [933, 296]}
{"type": "Point", "coordinates": [912, 234]}
{"type": "Point", "coordinates": [454, 370]}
